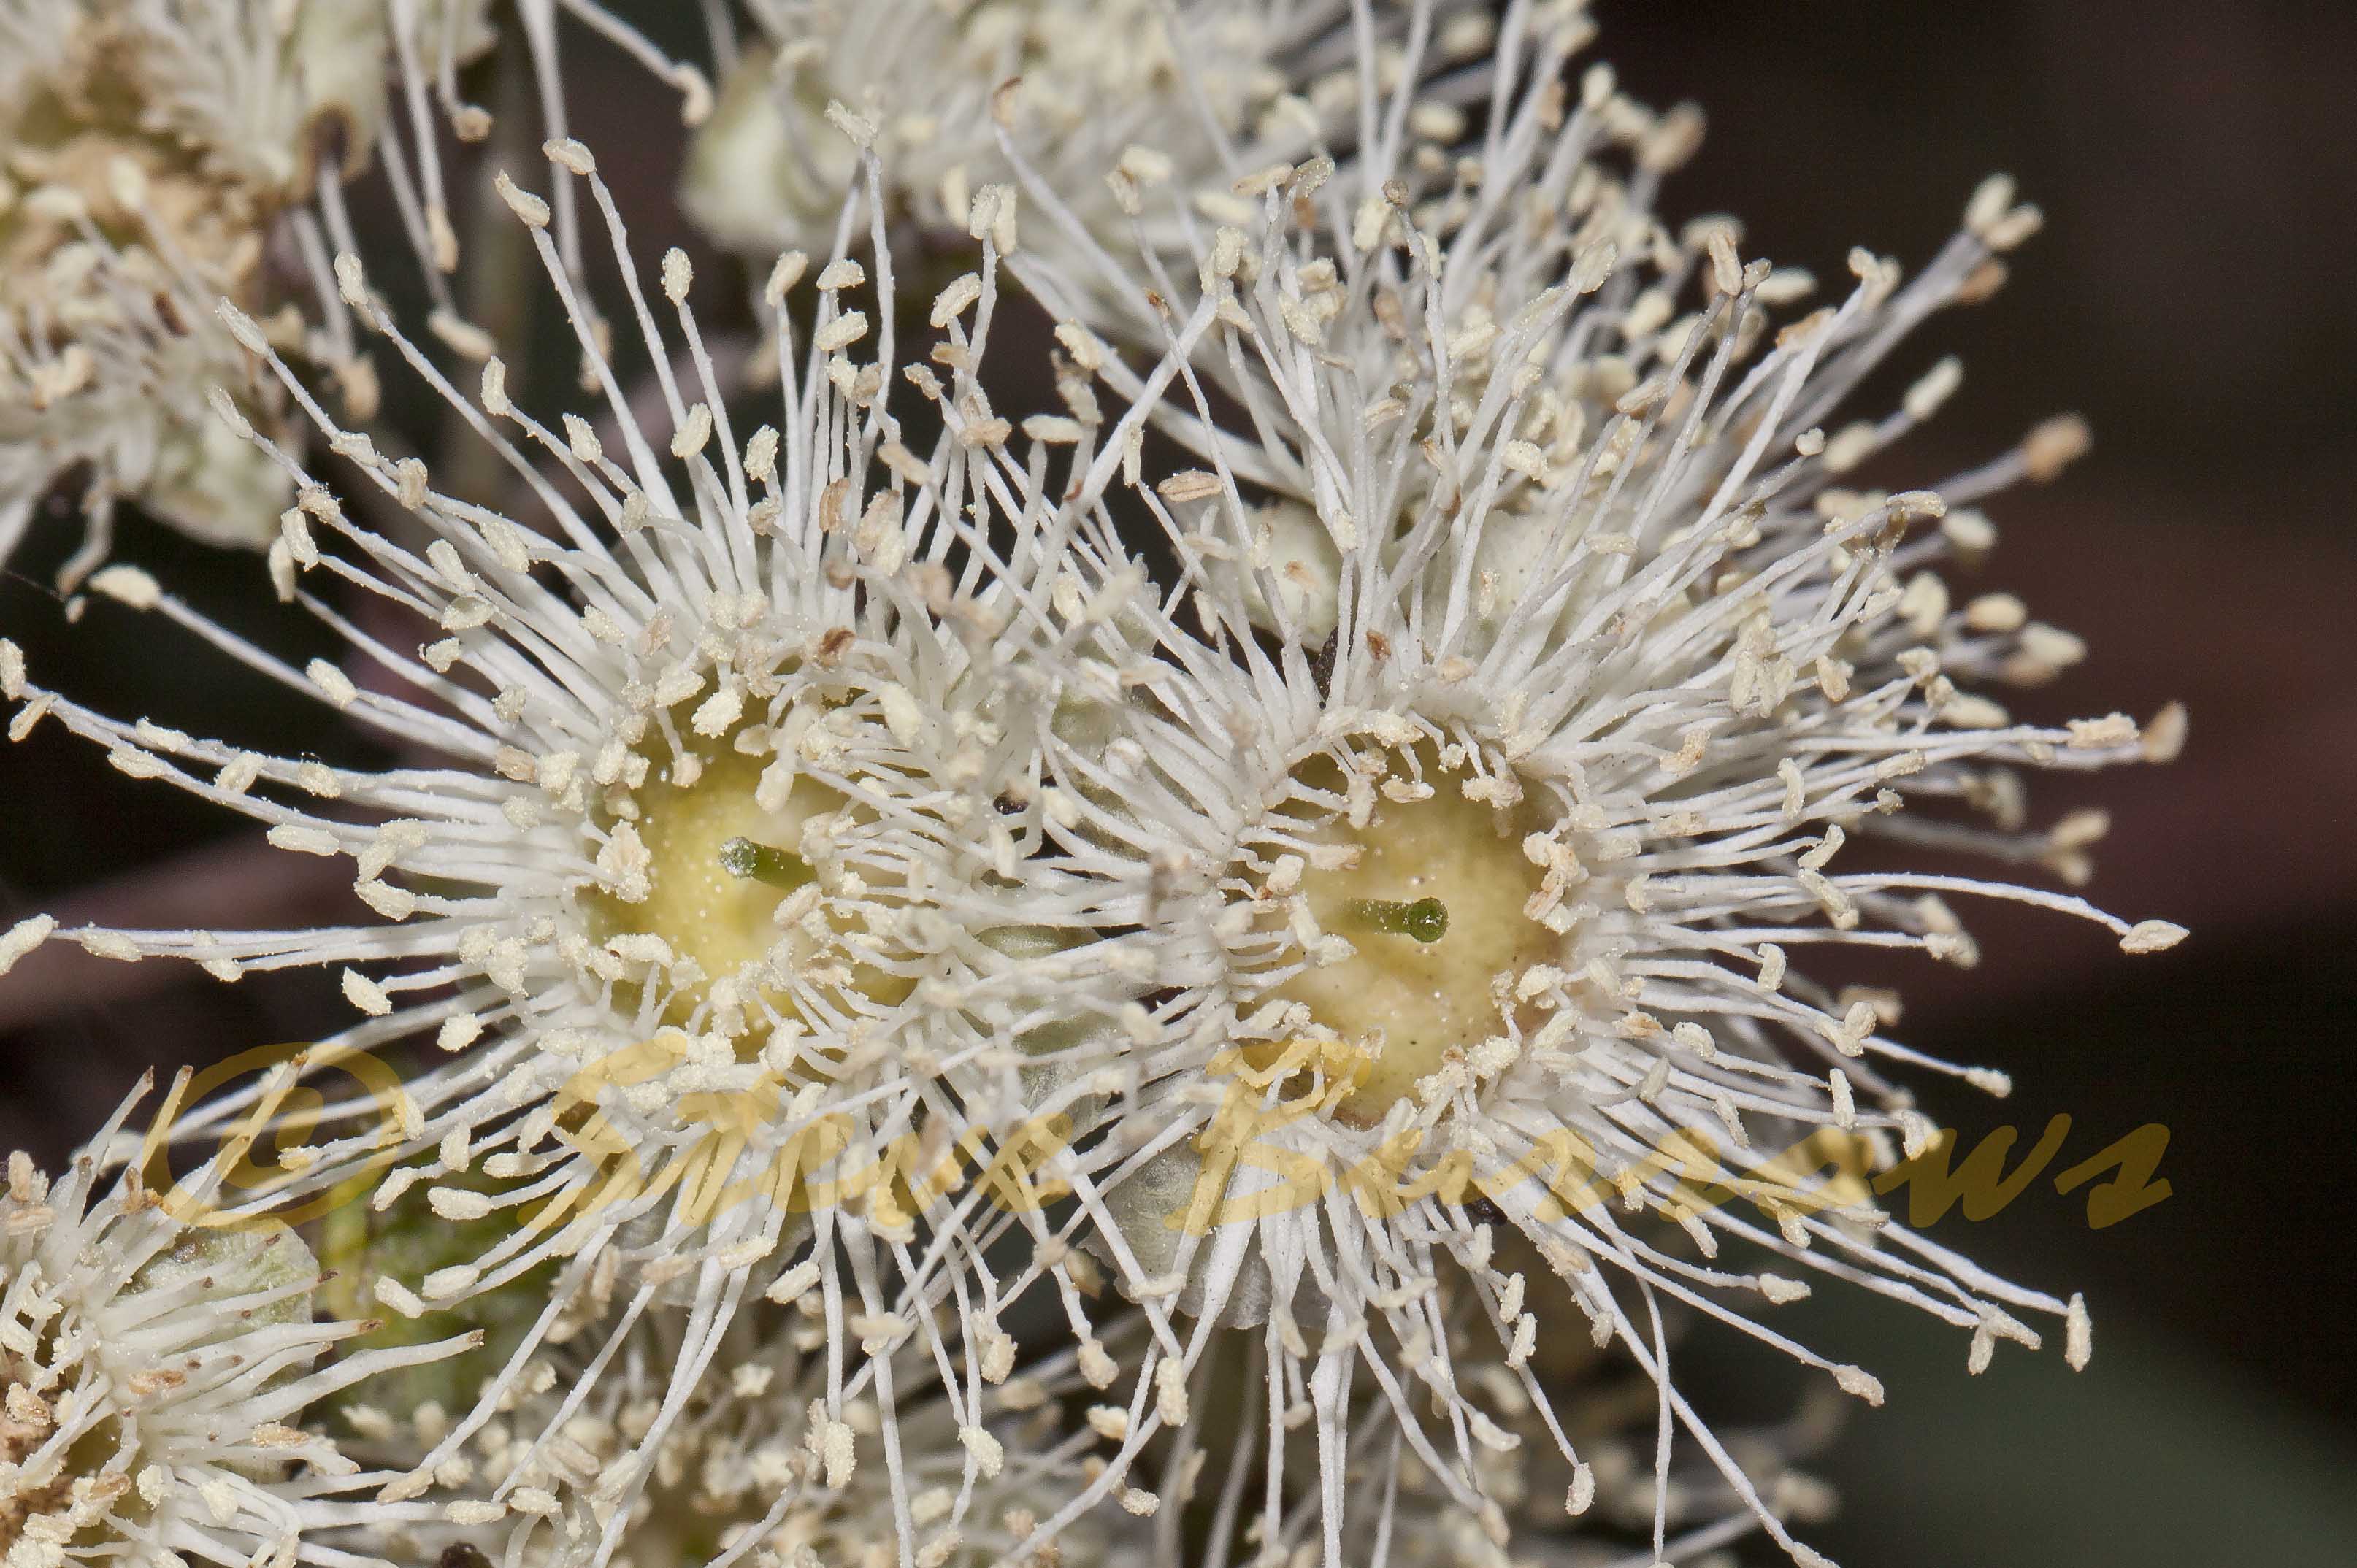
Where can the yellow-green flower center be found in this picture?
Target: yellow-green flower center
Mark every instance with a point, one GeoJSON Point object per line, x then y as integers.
{"type": "Point", "coordinates": [724, 863]}
{"type": "Point", "coordinates": [1432, 903]}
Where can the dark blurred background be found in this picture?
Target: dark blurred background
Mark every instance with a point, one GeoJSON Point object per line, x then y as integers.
{"type": "Point", "coordinates": [2190, 295]}
{"type": "Point", "coordinates": [2198, 167]}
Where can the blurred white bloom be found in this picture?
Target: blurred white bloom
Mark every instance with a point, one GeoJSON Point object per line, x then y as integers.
{"type": "Point", "coordinates": [148, 149]}
{"type": "Point", "coordinates": [1219, 1467]}
{"type": "Point", "coordinates": [1113, 95]}
{"type": "Point", "coordinates": [157, 1375]}
{"type": "Point", "coordinates": [756, 1456]}
{"type": "Point", "coordinates": [230, 89]}
{"type": "Point", "coordinates": [104, 370]}
{"type": "Point", "coordinates": [1549, 669]}
{"type": "Point", "coordinates": [157, 155]}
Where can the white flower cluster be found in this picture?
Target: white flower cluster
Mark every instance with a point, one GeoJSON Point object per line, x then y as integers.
{"type": "Point", "coordinates": [1110, 891]}
{"type": "Point", "coordinates": [155, 1370]}
{"type": "Point", "coordinates": [156, 155]}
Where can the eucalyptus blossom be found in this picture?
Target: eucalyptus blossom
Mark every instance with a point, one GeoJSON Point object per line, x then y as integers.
{"type": "Point", "coordinates": [156, 155]}
{"type": "Point", "coordinates": [1530, 661]}
{"type": "Point", "coordinates": [700, 881]}
{"type": "Point", "coordinates": [161, 1361]}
